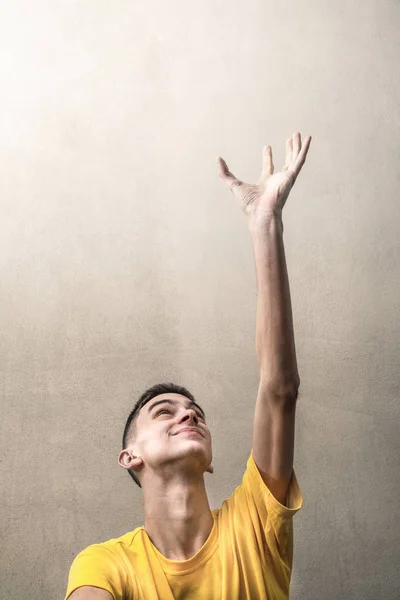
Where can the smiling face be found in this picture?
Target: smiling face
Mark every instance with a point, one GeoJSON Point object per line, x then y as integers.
{"type": "Point", "coordinates": [159, 441]}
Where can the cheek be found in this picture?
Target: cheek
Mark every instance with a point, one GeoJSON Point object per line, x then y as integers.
{"type": "Point", "coordinates": [155, 438]}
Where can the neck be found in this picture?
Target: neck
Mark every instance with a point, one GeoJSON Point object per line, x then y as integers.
{"type": "Point", "coordinates": [178, 519]}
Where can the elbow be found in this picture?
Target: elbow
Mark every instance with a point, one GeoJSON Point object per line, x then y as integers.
{"type": "Point", "coordinates": [287, 390]}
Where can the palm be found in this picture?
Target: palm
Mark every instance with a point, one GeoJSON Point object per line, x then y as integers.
{"type": "Point", "coordinates": [268, 196]}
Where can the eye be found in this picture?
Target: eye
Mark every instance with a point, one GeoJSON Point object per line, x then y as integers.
{"type": "Point", "coordinates": [163, 410]}
{"type": "Point", "coordinates": [169, 412]}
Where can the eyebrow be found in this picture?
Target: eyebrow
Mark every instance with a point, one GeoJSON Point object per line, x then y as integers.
{"type": "Point", "coordinates": [174, 402]}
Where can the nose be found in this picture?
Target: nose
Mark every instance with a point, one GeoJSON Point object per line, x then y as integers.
{"type": "Point", "coordinates": [190, 416]}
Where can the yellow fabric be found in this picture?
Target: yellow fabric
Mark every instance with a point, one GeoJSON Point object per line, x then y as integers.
{"type": "Point", "coordinates": [247, 556]}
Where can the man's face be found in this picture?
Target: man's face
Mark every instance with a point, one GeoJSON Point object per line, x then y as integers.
{"type": "Point", "coordinates": [160, 441]}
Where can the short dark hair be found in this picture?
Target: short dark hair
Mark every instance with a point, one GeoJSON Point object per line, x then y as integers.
{"type": "Point", "coordinates": [155, 390]}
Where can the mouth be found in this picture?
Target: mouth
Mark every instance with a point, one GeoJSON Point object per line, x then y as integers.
{"type": "Point", "coordinates": [189, 430]}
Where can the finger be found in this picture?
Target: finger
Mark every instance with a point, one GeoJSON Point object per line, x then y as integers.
{"type": "Point", "coordinates": [226, 175]}
{"type": "Point", "coordinates": [268, 164]}
{"type": "Point", "coordinates": [296, 145]}
{"type": "Point", "coordinates": [301, 159]}
{"type": "Point", "coordinates": [289, 151]}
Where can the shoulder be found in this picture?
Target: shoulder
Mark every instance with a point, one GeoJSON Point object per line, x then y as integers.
{"type": "Point", "coordinates": [104, 553]}
{"type": "Point", "coordinates": [125, 540]}
{"type": "Point", "coordinates": [253, 495]}
{"type": "Point", "coordinates": [104, 566]}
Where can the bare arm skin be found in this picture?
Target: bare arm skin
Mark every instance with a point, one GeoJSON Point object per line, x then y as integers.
{"type": "Point", "coordinates": [88, 592]}
{"type": "Point", "coordinates": [274, 416]}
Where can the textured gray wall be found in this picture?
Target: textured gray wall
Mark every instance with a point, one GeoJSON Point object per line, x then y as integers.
{"type": "Point", "coordinates": [125, 261]}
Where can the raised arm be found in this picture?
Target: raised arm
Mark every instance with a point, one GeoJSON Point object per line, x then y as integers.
{"type": "Point", "coordinates": [274, 417]}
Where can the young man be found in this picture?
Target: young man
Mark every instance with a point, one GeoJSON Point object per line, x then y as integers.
{"type": "Point", "coordinates": [243, 550]}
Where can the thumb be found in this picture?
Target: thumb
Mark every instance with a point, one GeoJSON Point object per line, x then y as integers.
{"type": "Point", "coordinates": [226, 175]}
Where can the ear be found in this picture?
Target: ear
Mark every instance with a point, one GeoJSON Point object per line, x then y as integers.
{"type": "Point", "coordinates": [127, 460]}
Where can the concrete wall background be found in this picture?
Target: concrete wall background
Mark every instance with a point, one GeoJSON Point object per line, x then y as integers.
{"type": "Point", "coordinates": [125, 261]}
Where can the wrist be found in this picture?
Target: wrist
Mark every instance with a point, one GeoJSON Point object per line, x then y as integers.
{"type": "Point", "coordinates": [271, 223]}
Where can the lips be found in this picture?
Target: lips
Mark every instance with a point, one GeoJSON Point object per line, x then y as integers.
{"type": "Point", "coordinates": [189, 429]}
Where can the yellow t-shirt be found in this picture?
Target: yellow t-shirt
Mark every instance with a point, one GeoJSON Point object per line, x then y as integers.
{"type": "Point", "coordinates": [247, 556]}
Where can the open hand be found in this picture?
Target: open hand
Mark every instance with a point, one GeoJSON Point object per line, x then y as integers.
{"type": "Point", "coordinates": [266, 198]}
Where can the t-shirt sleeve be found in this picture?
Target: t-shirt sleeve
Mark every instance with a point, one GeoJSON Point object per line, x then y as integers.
{"type": "Point", "coordinates": [99, 567]}
{"type": "Point", "coordinates": [267, 523]}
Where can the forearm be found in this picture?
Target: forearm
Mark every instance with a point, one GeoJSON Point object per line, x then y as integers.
{"type": "Point", "coordinates": [275, 346]}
